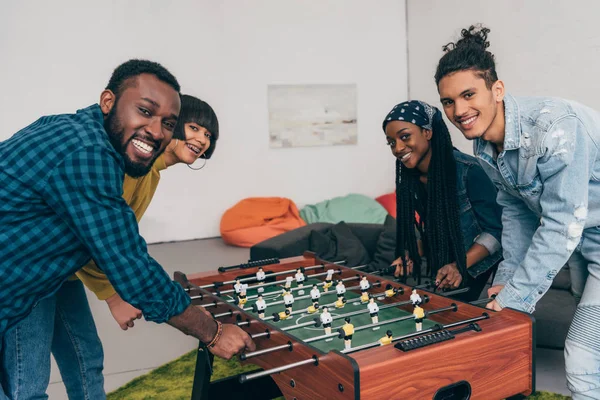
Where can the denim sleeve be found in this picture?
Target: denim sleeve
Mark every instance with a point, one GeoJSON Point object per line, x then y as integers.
{"type": "Point", "coordinates": [85, 190]}
{"type": "Point", "coordinates": [518, 226]}
{"type": "Point", "coordinates": [564, 167]}
{"type": "Point", "coordinates": [482, 196]}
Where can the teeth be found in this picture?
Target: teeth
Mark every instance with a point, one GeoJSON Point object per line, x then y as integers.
{"type": "Point", "coordinates": [404, 157]}
{"type": "Point", "coordinates": [193, 148]}
{"type": "Point", "coordinates": [145, 148]}
{"type": "Point", "coordinates": [468, 121]}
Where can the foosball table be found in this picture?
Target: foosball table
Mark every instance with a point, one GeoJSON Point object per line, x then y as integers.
{"type": "Point", "coordinates": [327, 331]}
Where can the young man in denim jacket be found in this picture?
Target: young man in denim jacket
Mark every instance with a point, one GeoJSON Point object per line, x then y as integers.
{"type": "Point", "coordinates": [542, 155]}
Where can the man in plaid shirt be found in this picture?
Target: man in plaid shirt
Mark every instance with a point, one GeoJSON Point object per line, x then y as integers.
{"type": "Point", "coordinates": [60, 205]}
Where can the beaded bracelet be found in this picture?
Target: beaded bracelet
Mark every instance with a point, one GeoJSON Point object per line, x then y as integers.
{"type": "Point", "coordinates": [218, 335]}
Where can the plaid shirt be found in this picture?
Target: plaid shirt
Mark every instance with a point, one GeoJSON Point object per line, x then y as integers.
{"type": "Point", "coordinates": [60, 205]}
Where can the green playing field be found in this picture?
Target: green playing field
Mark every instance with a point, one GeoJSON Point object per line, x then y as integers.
{"type": "Point", "coordinates": [273, 293]}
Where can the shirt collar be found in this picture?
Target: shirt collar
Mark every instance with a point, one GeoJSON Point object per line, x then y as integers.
{"type": "Point", "coordinates": [94, 112]}
{"type": "Point", "coordinates": [159, 163]}
{"type": "Point", "coordinates": [512, 129]}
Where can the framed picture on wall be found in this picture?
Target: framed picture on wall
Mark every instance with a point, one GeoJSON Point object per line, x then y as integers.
{"type": "Point", "coordinates": [312, 115]}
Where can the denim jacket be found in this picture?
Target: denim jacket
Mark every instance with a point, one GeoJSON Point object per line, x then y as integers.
{"type": "Point", "coordinates": [548, 185]}
{"type": "Point", "coordinates": [480, 215]}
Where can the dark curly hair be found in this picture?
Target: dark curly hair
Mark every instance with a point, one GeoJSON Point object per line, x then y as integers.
{"type": "Point", "coordinates": [119, 81]}
{"type": "Point", "coordinates": [201, 113]}
{"type": "Point", "coordinates": [469, 53]}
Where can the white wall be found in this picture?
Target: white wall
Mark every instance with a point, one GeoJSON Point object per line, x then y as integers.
{"type": "Point", "coordinates": [542, 47]}
{"type": "Point", "coordinates": [57, 57]}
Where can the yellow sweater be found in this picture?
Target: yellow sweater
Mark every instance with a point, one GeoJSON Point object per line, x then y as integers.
{"type": "Point", "coordinates": [138, 193]}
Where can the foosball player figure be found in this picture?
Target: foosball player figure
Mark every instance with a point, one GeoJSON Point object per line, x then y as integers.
{"type": "Point", "coordinates": [260, 277]}
{"type": "Point", "coordinates": [419, 315]}
{"type": "Point", "coordinates": [340, 289]}
{"type": "Point", "coordinates": [242, 294]}
{"type": "Point", "coordinates": [348, 330]}
{"type": "Point", "coordinates": [260, 306]}
{"type": "Point", "coordinates": [326, 320]}
{"type": "Point", "coordinates": [315, 294]}
{"type": "Point", "coordinates": [340, 303]}
{"type": "Point", "coordinates": [364, 287]}
{"type": "Point", "coordinates": [288, 282]}
{"type": "Point", "coordinates": [237, 286]}
{"type": "Point", "coordinates": [328, 280]}
{"type": "Point", "coordinates": [387, 339]}
{"type": "Point", "coordinates": [313, 308]}
{"type": "Point", "coordinates": [390, 291]}
{"type": "Point", "coordinates": [288, 300]}
{"type": "Point", "coordinates": [300, 279]}
{"type": "Point", "coordinates": [283, 315]}
{"type": "Point", "coordinates": [415, 298]}
{"type": "Point", "coordinates": [373, 311]}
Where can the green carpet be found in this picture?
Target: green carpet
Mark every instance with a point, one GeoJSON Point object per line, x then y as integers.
{"type": "Point", "coordinates": [173, 381]}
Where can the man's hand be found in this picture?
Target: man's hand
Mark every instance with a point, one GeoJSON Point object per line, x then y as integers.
{"type": "Point", "coordinates": [495, 290]}
{"type": "Point", "coordinates": [399, 268]}
{"type": "Point", "coordinates": [233, 341]}
{"type": "Point", "coordinates": [493, 305]}
{"type": "Point", "coordinates": [448, 277]}
{"type": "Point", "coordinates": [123, 312]}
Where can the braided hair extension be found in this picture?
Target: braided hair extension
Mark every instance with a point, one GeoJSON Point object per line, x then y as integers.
{"type": "Point", "coordinates": [442, 239]}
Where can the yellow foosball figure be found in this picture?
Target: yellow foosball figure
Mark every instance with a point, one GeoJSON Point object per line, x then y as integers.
{"type": "Point", "coordinates": [387, 339]}
{"type": "Point", "coordinates": [419, 315]}
{"type": "Point", "coordinates": [340, 303]}
{"type": "Point", "coordinates": [348, 329]}
{"type": "Point", "coordinates": [313, 309]}
{"type": "Point", "coordinates": [283, 315]}
{"type": "Point", "coordinates": [328, 280]}
{"type": "Point", "coordinates": [364, 298]}
{"type": "Point", "coordinates": [390, 291]}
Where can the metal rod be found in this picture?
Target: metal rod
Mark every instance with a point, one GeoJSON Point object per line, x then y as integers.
{"type": "Point", "coordinates": [256, 375]}
{"type": "Point", "coordinates": [483, 301]}
{"type": "Point", "coordinates": [352, 278]}
{"type": "Point", "coordinates": [407, 336]}
{"type": "Point", "coordinates": [453, 292]}
{"type": "Point", "coordinates": [274, 274]}
{"type": "Point", "coordinates": [287, 346]}
{"type": "Point", "coordinates": [272, 283]}
{"type": "Point", "coordinates": [267, 333]}
{"type": "Point", "coordinates": [386, 322]}
{"type": "Point", "coordinates": [225, 314]}
{"type": "Point", "coordinates": [302, 325]}
{"type": "Point", "coordinates": [305, 297]}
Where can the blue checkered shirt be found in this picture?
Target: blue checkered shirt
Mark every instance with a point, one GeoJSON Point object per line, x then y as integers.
{"type": "Point", "coordinates": [61, 183]}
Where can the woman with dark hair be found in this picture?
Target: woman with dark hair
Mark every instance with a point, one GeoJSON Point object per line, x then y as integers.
{"type": "Point", "coordinates": [447, 197]}
{"type": "Point", "coordinates": [62, 324]}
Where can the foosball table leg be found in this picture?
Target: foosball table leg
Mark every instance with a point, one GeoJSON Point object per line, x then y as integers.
{"type": "Point", "coordinates": [202, 374]}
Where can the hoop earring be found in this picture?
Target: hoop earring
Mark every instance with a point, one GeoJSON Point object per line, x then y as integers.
{"type": "Point", "coordinates": [197, 169]}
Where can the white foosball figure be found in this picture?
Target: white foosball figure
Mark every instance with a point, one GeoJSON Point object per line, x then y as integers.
{"type": "Point", "coordinates": [300, 280]}
{"type": "Point", "coordinates": [415, 298]}
{"type": "Point", "coordinates": [260, 306]}
{"type": "Point", "coordinates": [326, 320]}
{"type": "Point", "coordinates": [315, 294]}
{"type": "Point", "coordinates": [242, 294]}
{"type": "Point", "coordinates": [328, 280]}
{"type": "Point", "coordinates": [237, 286]}
{"type": "Point", "coordinates": [288, 282]}
{"type": "Point", "coordinates": [288, 300]}
{"type": "Point", "coordinates": [373, 311]}
{"type": "Point", "coordinates": [340, 289]}
{"type": "Point", "coordinates": [260, 276]}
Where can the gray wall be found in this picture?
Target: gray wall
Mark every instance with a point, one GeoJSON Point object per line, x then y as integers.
{"type": "Point", "coordinates": [549, 48]}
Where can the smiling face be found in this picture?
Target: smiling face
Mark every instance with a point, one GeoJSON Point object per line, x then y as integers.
{"type": "Point", "coordinates": [140, 121]}
{"type": "Point", "coordinates": [197, 141]}
{"type": "Point", "coordinates": [410, 144]}
{"type": "Point", "coordinates": [471, 106]}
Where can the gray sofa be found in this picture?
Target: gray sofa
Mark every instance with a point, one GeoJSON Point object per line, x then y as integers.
{"type": "Point", "coordinates": [553, 314]}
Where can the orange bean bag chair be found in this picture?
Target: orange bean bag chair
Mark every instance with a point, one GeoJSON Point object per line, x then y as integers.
{"type": "Point", "coordinates": [253, 220]}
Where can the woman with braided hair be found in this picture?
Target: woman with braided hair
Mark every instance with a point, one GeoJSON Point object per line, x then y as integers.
{"type": "Point", "coordinates": [447, 196]}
